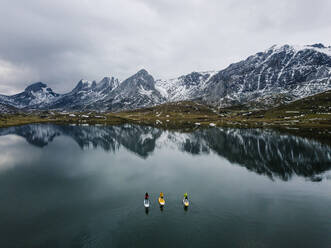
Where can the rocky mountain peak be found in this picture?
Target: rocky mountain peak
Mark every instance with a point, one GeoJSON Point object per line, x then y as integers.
{"type": "Point", "coordinates": [141, 79]}
{"type": "Point", "coordinates": [82, 85]}
{"type": "Point", "coordinates": [142, 72]}
{"type": "Point", "coordinates": [318, 45]}
{"type": "Point", "coordinates": [294, 71]}
{"type": "Point", "coordinates": [105, 80]}
{"type": "Point", "coordinates": [134, 92]}
{"type": "Point", "coordinates": [108, 82]}
{"type": "Point", "coordinates": [35, 87]}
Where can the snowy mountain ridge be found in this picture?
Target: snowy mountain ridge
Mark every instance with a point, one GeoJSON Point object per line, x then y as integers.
{"type": "Point", "coordinates": [184, 87]}
{"type": "Point", "coordinates": [288, 72]}
{"type": "Point", "coordinates": [296, 48]}
{"type": "Point", "coordinates": [35, 94]}
{"type": "Point", "coordinates": [280, 74]}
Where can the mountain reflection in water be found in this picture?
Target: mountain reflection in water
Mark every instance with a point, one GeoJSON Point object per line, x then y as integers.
{"type": "Point", "coordinates": [265, 152]}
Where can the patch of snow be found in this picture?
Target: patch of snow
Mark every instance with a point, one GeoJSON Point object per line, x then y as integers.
{"type": "Point", "coordinates": [162, 90]}
{"type": "Point", "coordinates": [142, 91]}
{"type": "Point", "coordinates": [177, 89]}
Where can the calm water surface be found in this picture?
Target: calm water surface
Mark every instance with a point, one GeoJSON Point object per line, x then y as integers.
{"type": "Point", "coordinates": [83, 186]}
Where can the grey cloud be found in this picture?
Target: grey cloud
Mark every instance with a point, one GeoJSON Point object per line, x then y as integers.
{"type": "Point", "coordinates": [60, 42]}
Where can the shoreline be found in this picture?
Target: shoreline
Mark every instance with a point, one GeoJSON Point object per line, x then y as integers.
{"type": "Point", "coordinates": [181, 121]}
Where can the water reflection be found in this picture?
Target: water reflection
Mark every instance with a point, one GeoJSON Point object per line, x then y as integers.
{"type": "Point", "coordinates": [262, 151]}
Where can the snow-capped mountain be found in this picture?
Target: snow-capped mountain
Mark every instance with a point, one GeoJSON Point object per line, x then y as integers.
{"type": "Point", "coordinates": [287, 72]}
{"type": "Point", "coordinates": [35, 94]}
{"type": "Point", "coordinates": [135, 92]}
{"type": "Point", "coordinates": [278, 75]}
{"type": "Point", "coordinates": [109, 94]}
{"type": "Point", "coordinates": [185, 87]}
{"type": "Point", "coordinates": [85, 93]}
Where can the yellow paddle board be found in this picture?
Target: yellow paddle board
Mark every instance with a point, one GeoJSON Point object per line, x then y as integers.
{"type": "Point", "coordinates": [161, 201]}
{"type": "Point", "coordinates": [186, 202]}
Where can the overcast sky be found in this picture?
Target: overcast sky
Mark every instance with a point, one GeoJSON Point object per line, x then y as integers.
{"type": "Point", "coordinates": [60, 42]}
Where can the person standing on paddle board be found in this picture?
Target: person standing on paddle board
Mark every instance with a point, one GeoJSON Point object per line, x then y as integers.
{"type": "Point", "coordinates": [185, 201]}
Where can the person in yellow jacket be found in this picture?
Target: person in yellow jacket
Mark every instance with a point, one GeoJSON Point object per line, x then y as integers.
{"type": "Point", "coordinates": [185, 196]}
{"type": "Point", "coordinates": [161, 195]}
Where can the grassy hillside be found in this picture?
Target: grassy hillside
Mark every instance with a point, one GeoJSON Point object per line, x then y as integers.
{"type": "Point", "coordinates": [320, 103]}
{"type": "Point", "coordinates": [172, 115]}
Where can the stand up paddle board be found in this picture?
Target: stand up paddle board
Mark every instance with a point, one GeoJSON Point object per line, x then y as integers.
{"type": "Point", "coordinates": [186, 202]}
{"type": "Point", "coordinates": [161, 201]}
{"type": "Point", "coordinates": [146, 203]}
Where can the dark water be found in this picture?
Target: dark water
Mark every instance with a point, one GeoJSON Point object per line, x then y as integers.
{"type": "Point", "coordinates": [70, 186]}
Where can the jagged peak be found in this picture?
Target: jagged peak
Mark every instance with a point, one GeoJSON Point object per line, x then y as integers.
{"type": "Point", "coordinates": [319, 47]}
{"type": "Point", "coordinates": [82, 84]}
{"type": "Point", "coordinates": [142, 72]}
{"type": "Point", "coordinates": [141, 78]}
{"type": "Point", "coordinates": [108, 79]}
{"type": "Point", "coordinates": [36, 86]}
{"type": "Point", "coordinates": [86, 83]}
{"type": "Point", "coordinates": [107, 82]}
{"type": "Point", "coordinates": [278, 47]}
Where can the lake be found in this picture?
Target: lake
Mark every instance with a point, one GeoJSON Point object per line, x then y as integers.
{"type": "Point", "coordinates": [83, 186]}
